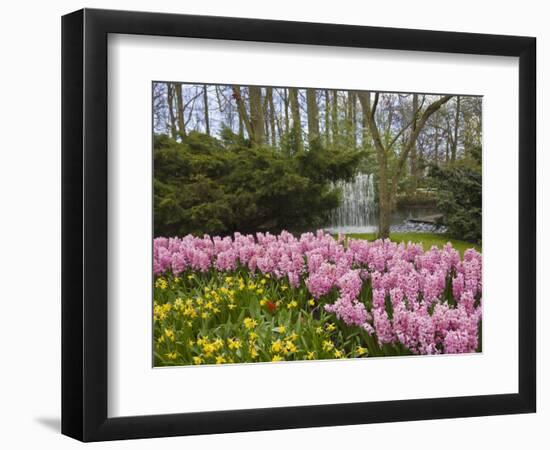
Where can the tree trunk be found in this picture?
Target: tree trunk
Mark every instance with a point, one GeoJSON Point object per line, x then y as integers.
{"type": "Point", "coordinates": [243, 115]}
{"type": "Point", "coordinates": [287, 120]}
{"type": "Point", "coordinates": [455, 136]}
{"type": "Point", "coordinates": [350, 119]}
{"type": "Point", "coordinates": [256, 114]}
{"type": "Point", "coordinates": [206, 113]}
{"type": "Point", "coordinates": [296, 120]}
{"type": "Point", "coordinates": [173, 126]}
{"type": "Point", "coordinates": [334, 118]}
{"type": "Point", "coordinates": [327, 118]}
{"type": "Point", "coordinates": [436, 146]}
{"type": "Point", "coordinates": [414, 159]}
{"type": "Point", "coordinates": [312, 118]}
{"type": "Point", "coordinates": [181, 110]}
{"type": "Point", "coordinates": [271, 108]}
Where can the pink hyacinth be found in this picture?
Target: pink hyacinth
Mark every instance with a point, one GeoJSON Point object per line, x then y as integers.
{"type": "Point", "coordinates": [416, 283]}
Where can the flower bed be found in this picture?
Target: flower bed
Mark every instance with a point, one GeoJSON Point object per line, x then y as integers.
{"type": "Point", "coordinates": [278, 297]}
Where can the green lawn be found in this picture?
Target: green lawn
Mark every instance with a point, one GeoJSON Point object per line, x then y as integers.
{"type": "Point", "coordinates": [426, 239]}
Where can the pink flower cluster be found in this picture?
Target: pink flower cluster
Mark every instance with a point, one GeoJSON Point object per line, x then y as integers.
{"type": "Point", "coordinates": [427, 301]}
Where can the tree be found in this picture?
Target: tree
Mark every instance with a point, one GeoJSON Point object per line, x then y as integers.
{"type": "Point", "coordinates": [181, 109]}
{"type": "Point", "coordinates": [206, 112]}
{"type": "Point", "coordinates": [312, 118]}
{"type": "Point", "coordinates": [388, 178]}
{"type": "Point", "coordinates": [244, 120]}
{"type": "Point", "coordinates": [456, 127]}
{"type": "Point", "coordinates": [296, 120]}
{"type": "Point", "coordinates": [173, 126]}
{"type": "Point", "coordinates": [414, 159]}
{"type": "Point", "coordinates": [256, 115]}
{"type": "Point", "coordinates": [271, 108]}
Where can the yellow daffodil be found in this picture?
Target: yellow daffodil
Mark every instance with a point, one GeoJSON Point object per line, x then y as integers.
{"type": "Point", "coordinates": [311, 302]}
{"type": "Point", "coordinates": [277, 346]}
{"type": "Point", "coordinates": [169, 333]}
{"type": "Point", "coordinates": [161, 283]}
{"type": "Point", "coordinates": [290, 347]}
{"type": "Point", "coordinates": [171, 355]}
{"type": "Point", "coordinates": [249, 323]}
{"type": "Point", "coordinates": [327, 345]}
{"type": "Point", "coordinates": [197, 360]}
{"type": "Point", "coordinates": [310, 355]}
{"type": "Point", "coordinates": [233, 344]}
{"type": "Point", "coordinates": [220, 359]}
{"type": "Point", "coordinates": [360, 351]}
{"type": "Point", "coordinates": [281, 329]}
{"type": "Point", "coordinates": [293, 304]}
{"type": "Point", "coordinates": [277, 358]}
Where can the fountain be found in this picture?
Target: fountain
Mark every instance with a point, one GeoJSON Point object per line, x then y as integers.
{"type": "Point", "coordinates": [357, 212]}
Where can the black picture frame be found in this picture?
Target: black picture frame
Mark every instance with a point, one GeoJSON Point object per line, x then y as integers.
{"type": "Point", "coordinates": [84, 224]}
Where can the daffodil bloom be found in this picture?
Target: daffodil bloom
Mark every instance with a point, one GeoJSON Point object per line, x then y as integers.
{"type": "Point", "coordinates": [290, 347]}
{"type": "Point", "coordinates": [338, 353]}
{"type": "Point", "coordinates": [249, 323]}
{"type": "Point", "coordinates": [277, 358]}
{"type": "Point", "coordinates": [171, 355]}
{"type": "Point", "coordinates": [197, 360]}
{"type": "Point", "coordinates": [331, 327]}
{"type": "Point", "coordinates": [233, 344]}
{"type": "Point", "coordinates": [209, 349]}
{"type": "Point", "coordinates": [161, 283]}
{"type": "Point", "coordinates": [169, 333]}
{"type": "Point", "coordinates": [220, 359]}
{"type": "Point", "coordinates": [360, 351]}
{"type": "Point", "coordinates": [253, 335]}
{"type": "Point", "coordinates": [310, 355]}
{"type": "Point", "coordinates": [293, 336]}
{"type": "Point", "coordinates": [281, 329]}
{"type": "Point", "coordinates": [292, 304]}
{"type": "Point", "coordinates": [277, 346]}
{"type": "Point", "coordinates": [327, 345]}
{"type": "Point", "coordinates": [190, 277]}
{"type": "Point", "coordinates": [311, 302]}
{"type": "Point", "coordinates": [253, 353]}
{"type": "Point", "coordinates": [319, 330]}
{"type": "Point", "coordinates": [231, 306]}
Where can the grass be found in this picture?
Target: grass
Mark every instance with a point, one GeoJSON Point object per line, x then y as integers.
{"type": "Point", "coordinates": [426, 239]}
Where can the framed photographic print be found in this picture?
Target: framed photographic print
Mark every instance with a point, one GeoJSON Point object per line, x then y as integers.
{"type": "Point", "coordinates": [274, 224]}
